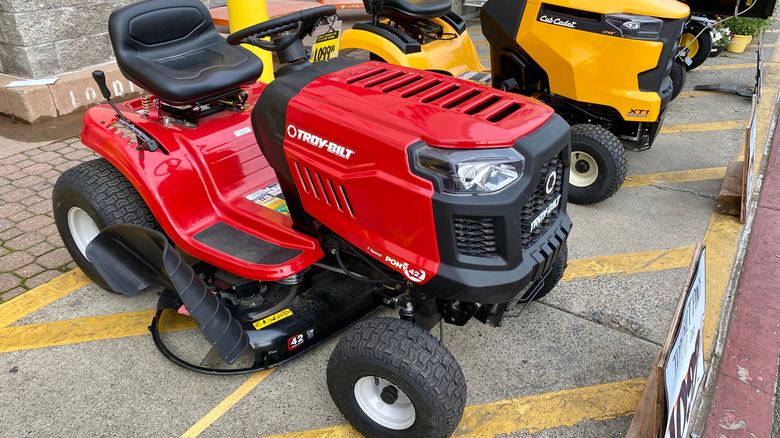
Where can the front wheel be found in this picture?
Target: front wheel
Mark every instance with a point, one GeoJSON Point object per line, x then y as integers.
{"type": "Point", "coordinates": [677, 76]}
{"type": "Point", "coordinates": [598, 164]}
{"type": "Point", "coordinates": [92, 196]}
{"type": "Point", "coordinates": [556, 272]}
{"type": "Point", "coordinates": [391, 378]}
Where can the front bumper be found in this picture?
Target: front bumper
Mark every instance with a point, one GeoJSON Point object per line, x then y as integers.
{"type": "Point", "coordinates": [490, 250]}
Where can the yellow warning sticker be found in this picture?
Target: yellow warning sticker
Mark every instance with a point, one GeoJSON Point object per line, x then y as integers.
{"type": "Point", "coordinates": [276, 317]}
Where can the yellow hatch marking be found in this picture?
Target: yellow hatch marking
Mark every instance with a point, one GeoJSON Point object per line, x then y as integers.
{"type": "Point", "coordinates": [630, 263]}
{"type": "Point", "coordinates": [675, 177]}
{"type": "Point", "coordinates": [94, 328]}
{"type": "Point", "coordinates": [529, 414]}
{"type": "Point", "coordinates": [703, 127]}
{"type": "Point", "coordinates": [41, 296]}
{"type": "Point", "coordinates": [226, 404]}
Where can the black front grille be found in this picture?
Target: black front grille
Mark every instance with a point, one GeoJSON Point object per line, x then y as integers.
{"type": "Point", "coordinates": [541, 200]}
{"type": "Point", "coordinates": [475, 236]}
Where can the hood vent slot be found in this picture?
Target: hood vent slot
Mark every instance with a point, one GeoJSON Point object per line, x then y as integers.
{"type": "Point", "coordinates": [403, 83]}
{"type": "Point", "coordinates": [420, 88]}
{"type": "Point", "coordinates": [482, 106]}
{"type": "Point", "coordinates": [323, 189]}
{"type": "Point", "coordinates": [504, 113]}
{"type": "Point", "coordinates": [366, 75]}
{"type": "Point", "coordinates": [449, 90]}
{"type": "Point", "coordinates": [464, 98]}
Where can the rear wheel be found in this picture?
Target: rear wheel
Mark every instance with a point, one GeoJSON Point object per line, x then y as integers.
{"type": "Point", "coordinates": [391, 378]}
{"type": "Point", "coordinates": [697, 38]}
{"type": "Point", "coordinates": [90, 197]}
{"type": "Point", "coordinates": [598, 164]}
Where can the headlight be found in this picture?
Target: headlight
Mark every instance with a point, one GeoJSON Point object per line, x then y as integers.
{"type": "Point", "coordinates": [636, 26]}
{"type": "Point", "coordinates": [471, 171]}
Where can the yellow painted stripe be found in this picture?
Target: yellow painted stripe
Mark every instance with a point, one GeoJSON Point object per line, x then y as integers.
{"type": "Point", "coordinates": [721, 239]}
{"type": "Point", "coordinates": [529, 414]}
{"type": "Point", "coordinates": [226, 404]}
{"type": "Point", "coordinates": [727, 66]}
{"type": "Point", "coordinates": [631, 263]}
{"type": "Point", "coordinates": [702, 127]}
{"type": "Point", "coordinates": [41, 296]}
{"type": "Point", "coordinates": [93, 328]}
{"type": "Point", "coordinates": [675, 177]}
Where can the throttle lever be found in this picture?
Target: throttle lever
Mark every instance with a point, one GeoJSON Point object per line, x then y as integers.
{"type": "Point", "coordinates": [143, 140]}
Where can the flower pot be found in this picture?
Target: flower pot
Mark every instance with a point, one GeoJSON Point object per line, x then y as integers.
{"type": "Point", "coordinates": [738, 43]}
{"type": "Point", "coordinates": [716, 51]}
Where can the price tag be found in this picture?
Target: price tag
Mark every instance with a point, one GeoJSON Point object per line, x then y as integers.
{"type": "Point", "coordinates": [326, 42]}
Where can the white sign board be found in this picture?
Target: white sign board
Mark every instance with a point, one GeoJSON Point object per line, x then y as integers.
{"type": "Point", "coordinates": [685, 367]}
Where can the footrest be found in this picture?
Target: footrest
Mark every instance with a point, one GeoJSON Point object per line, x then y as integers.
{"type": "Point", "coordinates": [244, 246]}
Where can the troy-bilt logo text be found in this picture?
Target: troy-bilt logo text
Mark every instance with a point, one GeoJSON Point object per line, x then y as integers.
{"type": "Point", "coordinates": [558, 22]}
{"type": "Point", "coordinates": [546, 212]}
{"type": "Point", "coordinates": [415, 275]}
{"type": "Point", "coordinates": [318, 142]}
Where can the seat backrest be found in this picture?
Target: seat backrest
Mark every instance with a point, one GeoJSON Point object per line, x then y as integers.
{"type": "Point", "coordinates": [413, 9]}
{"type": "Point", "coordinates": [172, 49]}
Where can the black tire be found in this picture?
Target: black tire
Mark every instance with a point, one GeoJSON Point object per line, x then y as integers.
{"type": "Point", "coordinates": [556, 272]}
{"type": "Point", "coordinates": [379, 354]}
{"type": "Point", "coordinates": [598, 164]}
{"type": "Point", "coordinates": [677, 75]}
{"type": "Point", "coordinates": [99, 190]}
{"type": "Point", "coordinates": [701, 47]}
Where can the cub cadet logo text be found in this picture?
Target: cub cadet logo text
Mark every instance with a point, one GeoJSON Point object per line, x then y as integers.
{"type": "Point", "coordinates": [411, 274]}
{"type": "Point", "coordinates": [550, 208]}
{"type": "Point", "coordinates": [318, 142]}
{"type": "Point", "coordinates": [558, 22]}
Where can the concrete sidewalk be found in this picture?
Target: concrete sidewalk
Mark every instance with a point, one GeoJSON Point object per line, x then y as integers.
{"type": "Point", "coordinates": [747, 379]}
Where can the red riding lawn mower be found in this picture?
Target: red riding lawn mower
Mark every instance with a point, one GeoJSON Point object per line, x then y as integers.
{"type": "Point", "coordinates": [339, 188]}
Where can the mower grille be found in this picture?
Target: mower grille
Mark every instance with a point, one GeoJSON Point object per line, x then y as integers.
{"type": "Point", "coordinates": [475, 236]}
{"type": "Point", "coordinates": [479, 102]}
{"type": "Point", "coordinates": [539, 201]}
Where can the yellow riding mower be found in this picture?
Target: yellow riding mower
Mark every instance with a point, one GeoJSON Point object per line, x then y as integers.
{"type": "Point", "coordinates": [603, 65]}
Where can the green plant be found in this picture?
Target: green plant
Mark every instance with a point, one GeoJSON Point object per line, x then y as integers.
{"type": "Point", "coordinates": [747, 25]}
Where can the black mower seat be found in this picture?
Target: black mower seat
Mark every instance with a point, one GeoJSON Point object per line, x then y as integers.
{"type": "Point", "coordinates": [172, 49]}
{"type": "Point", "coordinates": [415, 8]}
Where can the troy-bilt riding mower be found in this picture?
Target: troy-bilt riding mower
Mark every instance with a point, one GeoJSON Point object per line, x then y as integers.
{"type": "Point", "coordinates": [336, 189]}
{"type": "Point", "coordinates": [604, 65]}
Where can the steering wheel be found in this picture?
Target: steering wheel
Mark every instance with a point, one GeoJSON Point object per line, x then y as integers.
{"type": "Point", "coordinates": [304, 21]}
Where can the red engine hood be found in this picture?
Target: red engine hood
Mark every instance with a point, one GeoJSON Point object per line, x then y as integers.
{"type": "Point", "coordinates": [412, 105]}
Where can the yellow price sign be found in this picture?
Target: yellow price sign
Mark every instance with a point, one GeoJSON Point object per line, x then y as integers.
{"type": "Point", "coordinates": [326, 42]}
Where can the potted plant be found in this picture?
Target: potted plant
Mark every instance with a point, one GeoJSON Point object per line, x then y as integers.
{"type": "Point", "coordinates": [744, 30]}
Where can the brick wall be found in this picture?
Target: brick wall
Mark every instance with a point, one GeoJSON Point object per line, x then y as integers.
{"type": "Point", "coordinates": [43, 38]}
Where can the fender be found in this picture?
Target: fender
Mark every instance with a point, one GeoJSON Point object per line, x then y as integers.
{"type": "Point", "coordinates": [456, 55]}
{"type": "Point", "coordinates": [200, 178]}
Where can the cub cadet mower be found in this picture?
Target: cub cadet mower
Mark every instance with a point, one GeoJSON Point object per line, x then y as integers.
{"type": "Point", "coordinates": [603, 65]}
{"type": "Point", "coordinates": [336, 189]}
